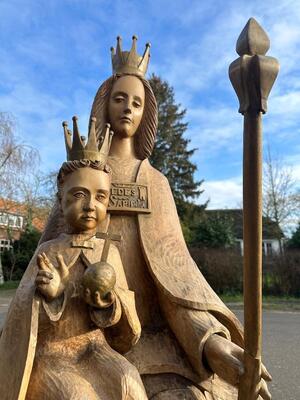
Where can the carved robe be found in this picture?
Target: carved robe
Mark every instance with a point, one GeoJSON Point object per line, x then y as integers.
{"type": "Point", "coordinates": [177, 308]}
{"type": "Point", "coordinates": [56, 350]}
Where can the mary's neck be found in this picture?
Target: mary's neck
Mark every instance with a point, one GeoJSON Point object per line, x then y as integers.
{"type": "Point", "coordinates": [122, 148]}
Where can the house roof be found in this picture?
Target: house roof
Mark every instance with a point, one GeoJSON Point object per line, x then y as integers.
{"type": "Point", "coordinates": [12, 207]}
{"type": "Point", "coordinates": [270, 229]}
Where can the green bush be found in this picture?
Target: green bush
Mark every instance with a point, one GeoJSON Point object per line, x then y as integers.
{"type": "Point", "coordinates": [16, 260]}
{"type": "Point", "coordinates": [283, 276]}
{"type": "Point", "coordinates": [222, 268]}
{"type": "Point", "coordinates": [214, 231]}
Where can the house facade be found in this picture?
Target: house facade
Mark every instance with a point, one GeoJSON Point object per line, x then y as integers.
{"type": "Point", "coordinates": [13, 221]}
{"type": "Point", "coordinates": [270, 247]}
{"type": "Point", "coordinates": [272, 235]}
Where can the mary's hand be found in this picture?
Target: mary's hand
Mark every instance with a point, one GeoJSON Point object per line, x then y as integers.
{"type": "Point", "coordinates": [226, 360]}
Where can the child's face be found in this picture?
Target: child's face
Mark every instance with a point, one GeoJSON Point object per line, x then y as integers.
{"type": "Point", "coordinates": [85, 196]}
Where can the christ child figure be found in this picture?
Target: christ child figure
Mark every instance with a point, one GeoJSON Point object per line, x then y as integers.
{"type": "Point", "coordinates": [82, 314]}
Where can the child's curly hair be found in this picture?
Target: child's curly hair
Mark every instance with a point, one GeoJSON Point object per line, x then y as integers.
{"type": "Point", "coordinates": [70, 166]}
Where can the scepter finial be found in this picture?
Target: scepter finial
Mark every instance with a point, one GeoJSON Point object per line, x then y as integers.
{"type": "Point", "coordinates": [253, 74]}
{"type": "Point", "coordinates": [252, 40]}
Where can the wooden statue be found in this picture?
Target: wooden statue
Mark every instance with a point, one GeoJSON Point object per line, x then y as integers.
{"type": "Point", "coordinates": [71, 301]}
{"type": "Point", "coordinates": [190, 344]}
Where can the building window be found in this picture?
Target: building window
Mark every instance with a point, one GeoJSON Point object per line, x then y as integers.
{"type": "Point", "coordinates": [239, 246]}
{"type": "Point", "coordinates": [269, 249]}
{"type": "Point", "coordinates": [5, 245]}
{"type": "Point", "coordinates": [4, 219]}
{"type": "Point", "coordinates": [11, 220]}
{"type": "Point", "coordinates": [20, 222]}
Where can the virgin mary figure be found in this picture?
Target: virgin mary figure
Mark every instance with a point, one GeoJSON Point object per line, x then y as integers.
{"type": "Point", "coordinates": [191, 344]}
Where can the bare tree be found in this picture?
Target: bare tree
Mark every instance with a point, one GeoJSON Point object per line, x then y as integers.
{"type": "Point", "coordinates": [38, 195]}
{"type": "Point", "coordinates": [17, 158]}
{"type": "Point", "coordinates": [280, 199]}
{"type": "Point", "coordinates": [18, 185]}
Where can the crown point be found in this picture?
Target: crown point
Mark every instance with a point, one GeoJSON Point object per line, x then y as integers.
{"type": "Point", "coordinates": [87, 147]}
{"type": "Point", "coordinates": [130, 62]}
{"type": "Point", "coordinates": [65, 124]}
{"type": "Point", "coordinates": [148, 45]}
{"type": "Point", "coordinates": [75, 118]}
{"type": "Point", "coordinates": [132, 54]}
{"type": "Point", "coordinates": [107, 125]}
{"type": "Point", "coordinates": [119, 48]}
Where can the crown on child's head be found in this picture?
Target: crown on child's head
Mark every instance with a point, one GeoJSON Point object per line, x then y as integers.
{"type": "Point", "coordinates": [129, 62]}
{"type": "Point", "coordinates": [94, 149]}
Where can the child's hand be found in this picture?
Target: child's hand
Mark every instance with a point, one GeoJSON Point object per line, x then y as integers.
{"type": "Point", "coordinates": [98, 283]}
{"type": "Point", "coordinates": [95, 300]}
{"type": "Point", "coordinates": [50, 280]}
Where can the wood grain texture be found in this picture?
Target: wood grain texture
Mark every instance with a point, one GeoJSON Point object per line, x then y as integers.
{"type": "Point", "coordinates": [156, 261]}
{"type": "Point", "coordinates": [31, 342]}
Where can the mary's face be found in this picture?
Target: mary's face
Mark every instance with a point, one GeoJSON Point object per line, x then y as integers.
{"type": "Point", "coordinates": [126, 105]}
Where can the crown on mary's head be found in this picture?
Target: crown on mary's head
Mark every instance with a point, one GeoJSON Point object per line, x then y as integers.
{"type": "Point", "coordinates": [93, 149]}
{"type": "Point", "coordinates": [129, 62]}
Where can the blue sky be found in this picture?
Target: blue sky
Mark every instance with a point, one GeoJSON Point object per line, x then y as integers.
{"type": "Point", "coordinates": [54, 54]}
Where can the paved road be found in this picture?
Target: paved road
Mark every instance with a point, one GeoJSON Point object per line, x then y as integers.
{"type": "Point", "coordinates": [5, 299]}
{"type": "Point", "coordinates": [281, 352]}
{"type": "Point", "coordinates": [281, 349]}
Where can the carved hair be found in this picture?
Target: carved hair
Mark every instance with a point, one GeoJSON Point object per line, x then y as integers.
{"type": "Point", "coordinates": [145, 136]}
{"type": "Point", "coordinates": [70, 166]}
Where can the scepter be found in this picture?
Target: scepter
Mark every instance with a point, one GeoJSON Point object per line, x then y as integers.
{"type": "Point", "coordinates": [252, 76]}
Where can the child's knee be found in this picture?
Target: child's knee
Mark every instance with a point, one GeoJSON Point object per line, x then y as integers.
{"type": "Point", "coordinates": [135, 386]}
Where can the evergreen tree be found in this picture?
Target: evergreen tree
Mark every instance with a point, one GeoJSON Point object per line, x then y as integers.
{"type": "Point", "coordinates": [16, 260]}
{"type": "Point", "coordinates": [171, 155]}
{"type": "Point", "coordinates": [215, 231]}
{"type": "Point", "coordinates": [294, 242]}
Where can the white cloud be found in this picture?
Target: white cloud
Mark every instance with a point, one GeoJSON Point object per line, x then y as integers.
{"type": "Point", "coordinates": [286, 103]}
{"type": "Point", "coordinates": [215, 129]}
{"type": "Point", "coordinates": [226, 193]}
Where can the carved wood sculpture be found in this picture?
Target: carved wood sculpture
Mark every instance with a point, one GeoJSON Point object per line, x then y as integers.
{"type": "Point", "coordinates": [177, 339]}
{"type": "Point", "coordinates": [252, 75]}
{"type": "Point", "coordinates": [73, 299]}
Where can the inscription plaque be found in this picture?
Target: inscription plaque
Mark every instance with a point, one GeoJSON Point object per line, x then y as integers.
{"type": "Point", "coordinates": [129, 197]}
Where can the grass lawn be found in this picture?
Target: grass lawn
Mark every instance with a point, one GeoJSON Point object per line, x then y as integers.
{"type": "Point", "coordinates": [284, 303]}
{"type": "Point", "coordinates": [9, 285]}
{"type": "Point", "coordinates": [232, 300]}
